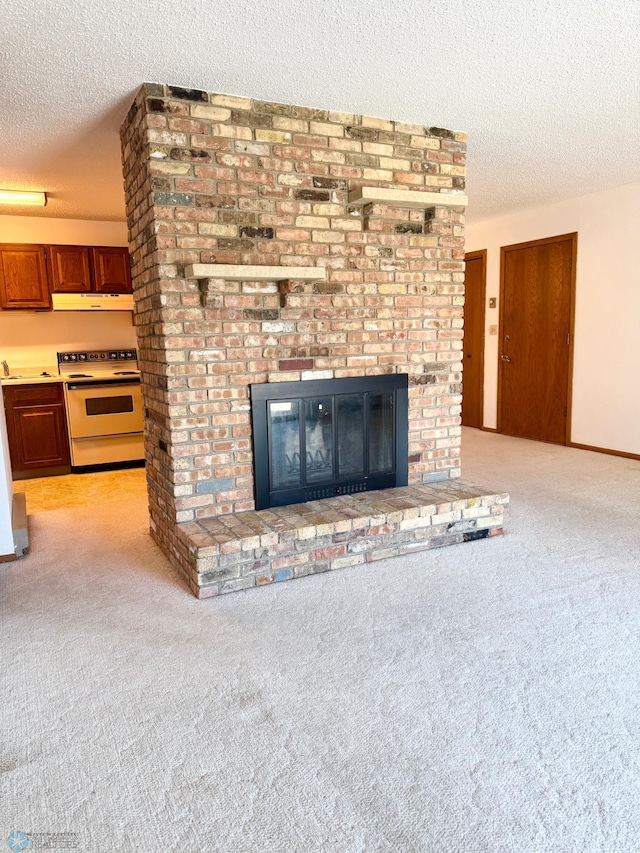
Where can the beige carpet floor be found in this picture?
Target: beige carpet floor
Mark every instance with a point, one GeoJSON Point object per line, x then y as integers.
{"type": "Point", "coordinates": [473, 699]}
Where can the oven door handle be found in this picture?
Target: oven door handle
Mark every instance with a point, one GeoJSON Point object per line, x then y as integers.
{"type": "Point", "coordinates": [102, 383]}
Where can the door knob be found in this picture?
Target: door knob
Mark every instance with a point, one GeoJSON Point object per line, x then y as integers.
{"type": "Point", "coordinates": [506, 358]}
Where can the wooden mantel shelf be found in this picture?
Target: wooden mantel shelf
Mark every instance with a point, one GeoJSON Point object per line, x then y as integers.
{"type": "Point", "coordinates": [413, 199]}
{"type": "Point", "coordinates": [247, 272]}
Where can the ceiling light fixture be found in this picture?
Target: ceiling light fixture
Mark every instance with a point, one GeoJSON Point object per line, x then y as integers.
{"type": "Point", "coordinates": [23, 197]}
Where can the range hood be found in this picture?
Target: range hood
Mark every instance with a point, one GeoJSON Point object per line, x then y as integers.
{"type": "Point", "coordinates": [92, 301]}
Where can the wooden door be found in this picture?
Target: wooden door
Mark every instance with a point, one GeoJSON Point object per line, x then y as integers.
{"type": "Point", "coordinates": [36, 426]}
{"type": "Point", "coordinates": [473, 341]}
{"type": "Point", "coordinates": [536, 315]}
{"type": "Point", "coordinates": [111, 270]}
{"type": "Point", "coordinates": [23, 277]}
{"type": "Point", "coordinates": [69, 269]}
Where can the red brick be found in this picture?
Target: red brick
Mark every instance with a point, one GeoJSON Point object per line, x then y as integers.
{"type": "Point", "coordinates": [295, 364]}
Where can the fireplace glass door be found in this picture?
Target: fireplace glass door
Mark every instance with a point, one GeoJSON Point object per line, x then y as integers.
{"type": "Point", "coordinates": [322, 438]}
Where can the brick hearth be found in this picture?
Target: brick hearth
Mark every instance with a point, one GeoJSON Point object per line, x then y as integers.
{"type": "Point", "coordinates": [277, 243]}
{"type": "Point", "coordinates": [234, 552]}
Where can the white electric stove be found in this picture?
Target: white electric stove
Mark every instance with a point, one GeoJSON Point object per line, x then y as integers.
{"type": "Point", "coordinates": [104, 407]}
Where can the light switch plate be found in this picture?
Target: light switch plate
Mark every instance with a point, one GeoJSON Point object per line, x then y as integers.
{"type": "Point", "coordinates": [493, 302]}
{"type": "Point", "coordinates": [493, 330]}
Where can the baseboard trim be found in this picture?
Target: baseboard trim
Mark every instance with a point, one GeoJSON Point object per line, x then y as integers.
{"type": "Point", "coordinates": [606, 450]}
{"type": "Point", "coordinates": [7, 558]}
{"type": "Point", "coordinates": [488, 429]}
{"type": "Point", "coordinates": [33, 473]}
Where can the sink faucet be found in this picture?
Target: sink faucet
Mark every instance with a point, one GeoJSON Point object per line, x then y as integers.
{"type": "Point", "coordinates": [5, 367]}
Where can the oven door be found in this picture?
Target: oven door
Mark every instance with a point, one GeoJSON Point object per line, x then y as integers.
{"type": "Point", "coordinates": [104, 407]}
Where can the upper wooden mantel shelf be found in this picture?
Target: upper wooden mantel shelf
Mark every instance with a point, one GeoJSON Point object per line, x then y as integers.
{"type": "Point", "coordinates": [247, 272]}
{"type": "Point", "coordinates": [406, 198]}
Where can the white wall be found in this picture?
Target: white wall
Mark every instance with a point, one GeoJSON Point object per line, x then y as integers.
{"type": "Point", "coordinates": [71, 232]}
{"type": "Point", "coordinates": [30, 339]}
{"type": "Point", "coordinates": [606, 374]}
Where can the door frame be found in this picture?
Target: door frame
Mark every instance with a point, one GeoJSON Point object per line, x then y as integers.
{"type": "Point", "coordinates": [573, 237]}
{"type": "Point", "coordinates": [479, 254]}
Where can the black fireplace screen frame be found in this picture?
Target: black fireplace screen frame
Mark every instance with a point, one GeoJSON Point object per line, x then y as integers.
{"type": "Point", "coordinates": [395, 385]}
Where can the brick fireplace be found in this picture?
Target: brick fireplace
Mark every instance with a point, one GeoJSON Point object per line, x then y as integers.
{"type": "Point", "coordinates": [274, 243]}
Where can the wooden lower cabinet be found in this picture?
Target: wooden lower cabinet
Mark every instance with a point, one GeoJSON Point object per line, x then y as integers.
{"type": "Point", "coordinates": [37, 428]}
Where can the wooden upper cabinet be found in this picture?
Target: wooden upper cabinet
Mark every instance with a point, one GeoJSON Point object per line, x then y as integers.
{"type": "Point", "coordinates": [70, 270]}
{"type": "Point", "coordinates": [111, 270]}
{"type": "Point", "coordinates": [23, 276]}
{"type": "Point", "coordinates": [29, 273]}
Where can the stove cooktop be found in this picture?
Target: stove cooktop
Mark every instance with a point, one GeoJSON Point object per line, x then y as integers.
{"type": "Point", "coordinates": [86, 365]}
{"type": "Point", "coordinates": [102, 375]}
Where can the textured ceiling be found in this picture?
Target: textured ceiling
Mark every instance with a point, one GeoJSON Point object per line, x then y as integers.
{"type": "Point", "coordinates": [548, 92]}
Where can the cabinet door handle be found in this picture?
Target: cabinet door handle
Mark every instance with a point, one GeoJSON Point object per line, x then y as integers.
{"type": "Point", "coordinates": [506, 358]}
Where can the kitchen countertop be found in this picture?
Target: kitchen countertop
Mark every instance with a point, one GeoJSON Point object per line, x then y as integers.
{"type": "Point", "coordinates": [31, 375]}
{"type": "Point", "coordinates": [29, 380]}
